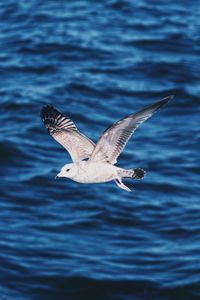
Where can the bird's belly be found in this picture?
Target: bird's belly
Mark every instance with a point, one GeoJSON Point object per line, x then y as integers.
{"type": "Point", "coordinates": [94, 173]}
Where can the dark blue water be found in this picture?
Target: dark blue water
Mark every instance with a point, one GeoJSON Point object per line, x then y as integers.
{"type": "Point", "coordinates": [98, 61]}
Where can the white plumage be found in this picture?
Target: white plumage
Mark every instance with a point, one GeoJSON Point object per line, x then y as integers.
{"type": "Point", "coordinates": [95, 163]}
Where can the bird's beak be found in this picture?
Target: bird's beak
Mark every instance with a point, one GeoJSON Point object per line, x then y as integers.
{"type": "Point", "coordinates": [57, 176]}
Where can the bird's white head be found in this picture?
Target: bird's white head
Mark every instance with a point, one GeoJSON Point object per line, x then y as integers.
{"type": "Point", "coordinates": [68, 171]}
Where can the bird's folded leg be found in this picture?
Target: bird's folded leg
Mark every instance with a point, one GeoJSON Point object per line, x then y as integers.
{"type": "Point", "coordinates": [120, 184]}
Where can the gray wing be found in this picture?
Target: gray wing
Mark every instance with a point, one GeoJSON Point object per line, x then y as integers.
{"type": "Point", "coordinates": [64, 131]}
{"type": "Point", "coordinates": [114, 139]}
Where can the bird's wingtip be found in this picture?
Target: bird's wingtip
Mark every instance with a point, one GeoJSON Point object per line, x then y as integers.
{"type": "Point", "coordinates": [168, 98]}
{"type": "Point", "coordinates": [171, 97]}
{"type": "Point", "coordinates": [45, 108]}
{"type": "Point", "coordinates": [165, 100]}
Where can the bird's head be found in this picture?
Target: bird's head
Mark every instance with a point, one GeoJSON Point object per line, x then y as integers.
{"type": "Point", "coordinates": [68, 171]}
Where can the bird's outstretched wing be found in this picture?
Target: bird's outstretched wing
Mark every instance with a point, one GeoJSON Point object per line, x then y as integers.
{"type": "Point", "coordinates": [64, 131]}
{"type": "Point", "coordinates": [114, 139]}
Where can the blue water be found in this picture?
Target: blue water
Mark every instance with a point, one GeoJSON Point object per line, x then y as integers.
{"type": "Point", "coordinates": [98, 61]}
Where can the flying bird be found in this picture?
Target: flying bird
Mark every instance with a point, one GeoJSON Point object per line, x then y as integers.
{"type": "Point", "coordinates": [96, 163]}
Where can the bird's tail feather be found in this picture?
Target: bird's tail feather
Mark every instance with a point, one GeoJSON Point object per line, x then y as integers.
{"type": "Point", "coordinates": [133, 173]}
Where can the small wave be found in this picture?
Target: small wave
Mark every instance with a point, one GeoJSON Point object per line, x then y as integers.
{"type": "Point", "coordinates": [9, 152]}
{"type": "Point", "coordinates": [82, 288]}
{"type": "Point", "coordinates": [40, 70]}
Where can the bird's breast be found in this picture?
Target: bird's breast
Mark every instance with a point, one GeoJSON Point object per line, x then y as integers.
{"type": "Point", "coordinates": [95, 172]}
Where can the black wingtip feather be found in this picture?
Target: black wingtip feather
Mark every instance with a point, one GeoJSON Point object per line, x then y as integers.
{"type": "Point", "coordinates": [166, 100]}
{"type": "Point", "coordinates": [162, 102]}
{"type": "Point", "coordinates": [55, 120]}
{"type": "Point", "coordinates": [156, 106]}
{"type": "Point", "coordinates": [46, 110]}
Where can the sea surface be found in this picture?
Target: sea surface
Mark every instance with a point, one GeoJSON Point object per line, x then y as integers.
{"type": "Point", "coordinates": [98, 61]}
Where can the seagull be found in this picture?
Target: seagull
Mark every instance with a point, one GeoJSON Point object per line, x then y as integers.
{"type": "Point", "coordinates": [96, 163]}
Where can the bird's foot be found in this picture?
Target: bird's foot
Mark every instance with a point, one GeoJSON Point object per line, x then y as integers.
{"type": "Point", "coordinates": [122, 185]}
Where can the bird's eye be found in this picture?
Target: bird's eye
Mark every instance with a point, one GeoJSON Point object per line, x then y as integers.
{"type": "Point", "coordinates": [67, 170]}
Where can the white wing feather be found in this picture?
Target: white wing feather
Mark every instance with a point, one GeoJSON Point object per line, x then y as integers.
{"type": "Point", "coordinates": [114, 139]}
{"type": "Point", "coordinates": [64, 131]}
